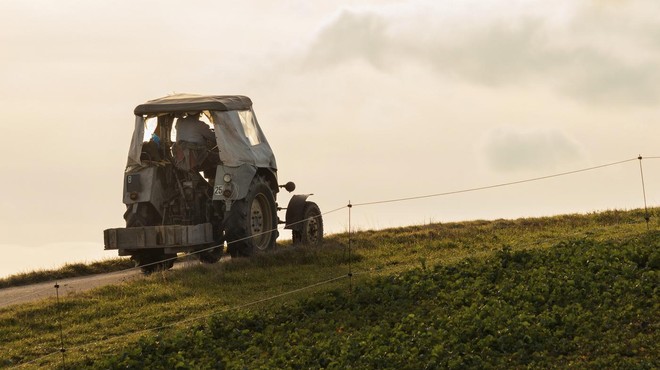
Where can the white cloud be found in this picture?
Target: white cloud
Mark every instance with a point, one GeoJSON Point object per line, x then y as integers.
{"type": "Point", "coordinates": [351, 35]}
{"type": "Point", "coordinates": [509, 150]}
{"type": "Point", "coordinates": [532, 42]}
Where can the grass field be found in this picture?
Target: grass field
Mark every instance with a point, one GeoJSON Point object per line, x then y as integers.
{"type": "Point", "coordinates": [572, 290]}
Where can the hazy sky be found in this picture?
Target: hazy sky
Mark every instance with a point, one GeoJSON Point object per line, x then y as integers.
{"type": "Point", "coordinates": [360, 100]}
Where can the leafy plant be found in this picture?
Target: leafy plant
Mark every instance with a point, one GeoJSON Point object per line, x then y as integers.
{"type": "Point", "coordinates": [580, 303]}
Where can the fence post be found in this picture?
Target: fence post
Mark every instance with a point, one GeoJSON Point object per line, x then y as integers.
{"type": "Point", "coordinates": [646, 210]}
{"type": "Point", "coordinates": [59, 319]}
{"type": "Point", "coordinates": [350, 271]}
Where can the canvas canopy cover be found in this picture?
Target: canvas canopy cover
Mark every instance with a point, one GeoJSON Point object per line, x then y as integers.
{"type": "Point", "coordinates": [238, 134]}
{"type": "Point", "coordinates": [179, 103]}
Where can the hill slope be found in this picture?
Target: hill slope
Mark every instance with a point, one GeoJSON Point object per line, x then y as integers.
{"type": "Point", "coordinates": [547, 292]}
{"type": "Point", "coordinates": [580, 303]}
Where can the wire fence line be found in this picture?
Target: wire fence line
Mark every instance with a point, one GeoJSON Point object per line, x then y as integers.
{"type": "Point", "coordinates": [135, 268]}
{"type": "Point", "coordinates": [184, 321]}
{"type": "Point", "coordinates": [360, 272]}
{"type": "Point", "coordinates": [62, 349]}
{"type": "Point", "coordinates": [362, 204]}
{"type": "Point", "coordinates": [494, 186]}
{"type": "Point", "coordinates": [403, 199]}
{"type": "Point", "coordinates": [350, 273]}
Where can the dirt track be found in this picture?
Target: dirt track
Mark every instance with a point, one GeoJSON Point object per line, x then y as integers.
{"type": "Point", "coordinates": [29, 293]}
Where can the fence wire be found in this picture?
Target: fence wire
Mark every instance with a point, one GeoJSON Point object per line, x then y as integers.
{"type": "Point", "coordinates": [493, 186]}
{"type": "Point", "coordinates": [135, 268]}
{"type": "Point", "coordinates": [403, 199]}
{"type": "Point", "coordinates": [184, 321]}
{"type": "Point", "coordinates": [336, 278]}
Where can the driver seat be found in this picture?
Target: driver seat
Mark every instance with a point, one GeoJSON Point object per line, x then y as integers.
{"type": "Point", "coordinates": [189, 156]}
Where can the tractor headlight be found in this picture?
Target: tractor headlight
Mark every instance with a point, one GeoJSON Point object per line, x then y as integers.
{"type": "Point", "coordinates": [227, 178]}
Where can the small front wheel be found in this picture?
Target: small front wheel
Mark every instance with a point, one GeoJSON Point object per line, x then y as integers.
{"type": "Point", "coordinates": [311, 232]}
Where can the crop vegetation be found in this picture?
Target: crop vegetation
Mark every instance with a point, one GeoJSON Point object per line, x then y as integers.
{"type": "Point", "coordinates": [567, 291]}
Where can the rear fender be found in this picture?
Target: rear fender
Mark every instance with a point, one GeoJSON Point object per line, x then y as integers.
{"type": "Point", "coordinates": [144, 186]}
{"type": "Point", "coordinates": [295, 212]}
{"type": "Point", "coordinates": [237, 188]}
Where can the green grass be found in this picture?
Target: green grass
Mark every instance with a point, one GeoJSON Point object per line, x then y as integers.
{"type": "Point", "coordinates": [100, 326]}
{"type": "Point", "coordinates": [582, 303]}
{"type": "Point", "coordinates": [67, 271]}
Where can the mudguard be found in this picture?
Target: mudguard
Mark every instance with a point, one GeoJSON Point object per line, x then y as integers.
{"type": "Point", "coordinates": [295, 212]}
{"type": "Point", "coordinates": [241, 177]}
{"type": "Point", "coordinates": [147, 185]}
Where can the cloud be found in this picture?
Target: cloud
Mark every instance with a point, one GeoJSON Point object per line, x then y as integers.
{"type": "Point", "coordinates": [582, 51]}
{"type": "Point", "coordinates": [351, 35]}
{"type": "Point", "coordinates": [509, 150]}
{"type": "Point", "coordinates": [603, 79]}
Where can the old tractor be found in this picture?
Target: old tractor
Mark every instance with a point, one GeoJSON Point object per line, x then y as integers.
{"type": "Point", "coordinates": [192, 197]}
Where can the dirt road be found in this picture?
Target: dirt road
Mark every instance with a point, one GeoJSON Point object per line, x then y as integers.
{"type": "Point", "coordinates": [29, 293]}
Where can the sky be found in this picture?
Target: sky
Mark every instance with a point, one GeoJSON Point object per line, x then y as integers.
{"type": "Point", "coordinates": [361, 101]}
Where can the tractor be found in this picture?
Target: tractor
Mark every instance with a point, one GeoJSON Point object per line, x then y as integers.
{"type": "Point", "coordinates": [195, 198]}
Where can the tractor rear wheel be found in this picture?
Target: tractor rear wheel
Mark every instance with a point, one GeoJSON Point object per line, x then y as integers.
{"type": "Point", "coordinates": [211, 256]}
{"type": "Point", "coordinates": [153, 260]}
{"type": "Point", "coordinates": [252, 222]}
{"type": "Point", "coordinates": [311, 232]}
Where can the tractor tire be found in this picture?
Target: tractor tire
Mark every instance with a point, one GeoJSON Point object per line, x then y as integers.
{"type": "Point", "coordinates": [153, 260]}
{"type": "Point", "coordinates": [311, 232]}
{"type": "Point", "coordinates": [251, 225]}
{"type": "Point", "coordinates": [150, 260]}
{"type": "Point", "coordinates": [215, 254]}
{"type": "Point", "coordinates": [211, 256]}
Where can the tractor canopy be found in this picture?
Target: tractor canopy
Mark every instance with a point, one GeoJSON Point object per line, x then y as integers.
{"type": "Point", "coordinates": [239, 137]}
